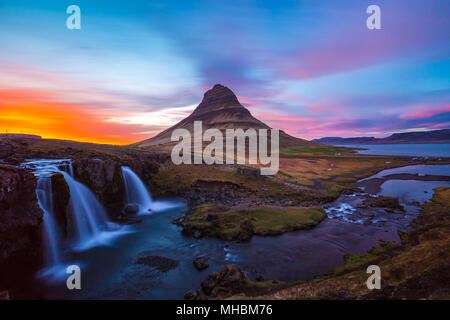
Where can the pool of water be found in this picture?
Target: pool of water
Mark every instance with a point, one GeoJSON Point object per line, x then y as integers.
{"type": "Point", "coordinates": [109, 272]}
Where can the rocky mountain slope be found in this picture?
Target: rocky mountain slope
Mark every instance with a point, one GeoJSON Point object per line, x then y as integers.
{"type": "Point", "coordinates": [220, 109]}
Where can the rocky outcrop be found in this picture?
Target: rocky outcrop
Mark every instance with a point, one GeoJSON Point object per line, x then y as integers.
{"type": "Point", "coordinates": [230, 280]}
{"type": "Point", "coordinates": [20, 214]}
{"type": "Point", "coordinates": [104, 178]}
{"type": "Point", "coordinates": [61, 198]}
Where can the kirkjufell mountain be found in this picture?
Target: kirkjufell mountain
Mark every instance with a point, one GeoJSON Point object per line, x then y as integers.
{"type": "Point", "coordinates": [220, 109]}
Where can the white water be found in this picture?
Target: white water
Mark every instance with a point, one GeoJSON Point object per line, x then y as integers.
{"type": "Point", "coordinates": [89, 216]}
{"type": "Point", "coordinates": [138, 194]}
{"type": "Point", "coordinates": [136, 191]}
{"type": "Point", "coordinates": [88, 222]}
{"type": "Point", "coordinates": [51, 234]}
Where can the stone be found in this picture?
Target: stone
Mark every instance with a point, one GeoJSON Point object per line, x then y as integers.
{"type": "Point", "coordinates": [210, 282]}
{"type": "Point", "coordinates": [192, 295]}
{"type": "Point", "coordinates": [130, 208]}
{"type": "Point", "coordinates": [201, 263]}
{"type": "Point", "coordinates": [160, 263]}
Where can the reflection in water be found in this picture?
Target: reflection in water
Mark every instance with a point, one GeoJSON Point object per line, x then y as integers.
{"type": "Point", "coordinates": [409, 191]}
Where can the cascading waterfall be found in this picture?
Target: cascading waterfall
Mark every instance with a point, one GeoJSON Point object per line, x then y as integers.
{"type": "Point", "coordinates": [136, 191]}
{"type": "Point", "coordinates": [89, 216]}
{"type": "Point", "coordinates": [90, 225]}
{"type": "Point", "coordinates": [50, 231]}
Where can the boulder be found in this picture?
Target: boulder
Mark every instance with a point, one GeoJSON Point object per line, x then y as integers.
{"type": "Point", "coordinates": [210, 282]}
{"type": "Point", "coordinates": [231, 276]}
{"type": "Point", "coordinates": [130, 208]}
{"type": "Point", "coordinates": [201, 263]}
{"type": "Point", "coordinates": [231, 279]}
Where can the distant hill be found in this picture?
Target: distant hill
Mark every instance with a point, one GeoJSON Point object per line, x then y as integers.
{"type": "Point", "coordinates": [220, 109]}
{"type": "Point", "coordinates": [19, 136]}
{"type": "Point", "coordinates": [435, 136]}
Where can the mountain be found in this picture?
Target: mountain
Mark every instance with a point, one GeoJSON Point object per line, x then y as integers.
{"type": "Point", "coordinates": [435, 136]}
{"type": "Point", "coordinates": [220, 109]}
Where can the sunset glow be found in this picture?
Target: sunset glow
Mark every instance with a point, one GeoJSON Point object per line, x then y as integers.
{"type": "Point", "coordinates": [311, 70]}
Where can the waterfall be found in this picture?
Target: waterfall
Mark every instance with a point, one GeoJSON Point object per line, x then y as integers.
{"type": "Point", "coordinates": [136, 191]}
{"type": "Point", "coordinates": [88, 214]}
{"type": "Point", "coordinates": [51, 234]}
{"type": "Point", "coordinates": [88, 223]}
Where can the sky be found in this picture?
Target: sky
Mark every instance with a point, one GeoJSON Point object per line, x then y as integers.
{"type": "Point", "coordinates": [311, 68]}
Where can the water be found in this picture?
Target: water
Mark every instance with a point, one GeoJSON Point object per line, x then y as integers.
{"type": "Point", "coordinates": [136, 191]}
{"type": "Point", "coordinates": [110, 272]}
{"type": "Point", "coordinates": [409, 191]}
{"type": "Point", "coordinates": [420, 169]}
{"type": "Point", "coordinates": [91, 225]}
{"type": "Point", "coordinates": [50, 231]}
{"type": "Point", "coordinates": [88, 222]}
{"type": "Point", "coordinates": [418, 149]}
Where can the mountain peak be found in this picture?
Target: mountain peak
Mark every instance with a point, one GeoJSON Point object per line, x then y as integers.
{"type": "Point", "coordinates": [220, 109]}
{"type": "Point", "coordinates": [218, 95]}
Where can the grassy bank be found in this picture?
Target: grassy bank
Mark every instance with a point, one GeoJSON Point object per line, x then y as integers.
{"type": "Point", "coordinates": [240, 223]}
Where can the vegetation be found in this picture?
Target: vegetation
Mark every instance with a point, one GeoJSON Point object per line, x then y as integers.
{"type": "Point", "coordinates": [415, 269]}
{"type": "Point", "coordinates": [240, 223]}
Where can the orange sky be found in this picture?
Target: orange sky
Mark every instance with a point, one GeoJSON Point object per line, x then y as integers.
{"type": "Point", "coordinates": [36, 112]}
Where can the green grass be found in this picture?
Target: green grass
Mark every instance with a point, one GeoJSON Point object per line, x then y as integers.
{"type": "Point", "coordinates": [274, 220]}
{"type": "Point", "coordinates": [320, 150]}
{"type": "Point", "coordinates": [232, 223]}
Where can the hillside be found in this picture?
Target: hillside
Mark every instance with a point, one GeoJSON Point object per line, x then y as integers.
{"type": "Point", "coordinates": [435, 136]}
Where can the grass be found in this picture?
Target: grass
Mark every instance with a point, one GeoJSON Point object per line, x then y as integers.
{"type": "Point", "coordinates": [240, 223]}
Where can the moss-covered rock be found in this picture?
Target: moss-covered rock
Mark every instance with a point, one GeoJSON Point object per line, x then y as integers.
{"type": "Point", "coordinates": [240, 223]}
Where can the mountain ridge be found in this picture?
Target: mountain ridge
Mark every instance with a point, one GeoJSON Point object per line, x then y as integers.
{"type": "Point", "coordinates": [433, 136]}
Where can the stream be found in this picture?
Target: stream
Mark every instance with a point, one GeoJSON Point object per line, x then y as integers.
{"type": "Point", "coordinates": [109, 269]}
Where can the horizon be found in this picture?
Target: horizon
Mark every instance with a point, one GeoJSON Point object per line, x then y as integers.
{"type": "Point", "coordinates": [312, 70]}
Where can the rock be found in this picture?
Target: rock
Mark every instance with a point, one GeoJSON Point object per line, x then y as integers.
{"type": "Point", "coordinates": [389, 203]}
{"type": "Point", "coordinates": [61, 198]}
{"type": "Point", "coordinates": [20, 214]}
{"type": "Point", "coordinates": [160, 263]}
{"type": "Point", "coordinates": [130, 208]}
{"type": "Point", "coordinates": [201, 263]}
{"type": "Point", "coordinates": [192, 295]}
{"type": "Point", "coordinates": [210, 282]}
{"type": "Point", "coordinates": [230, 280]}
